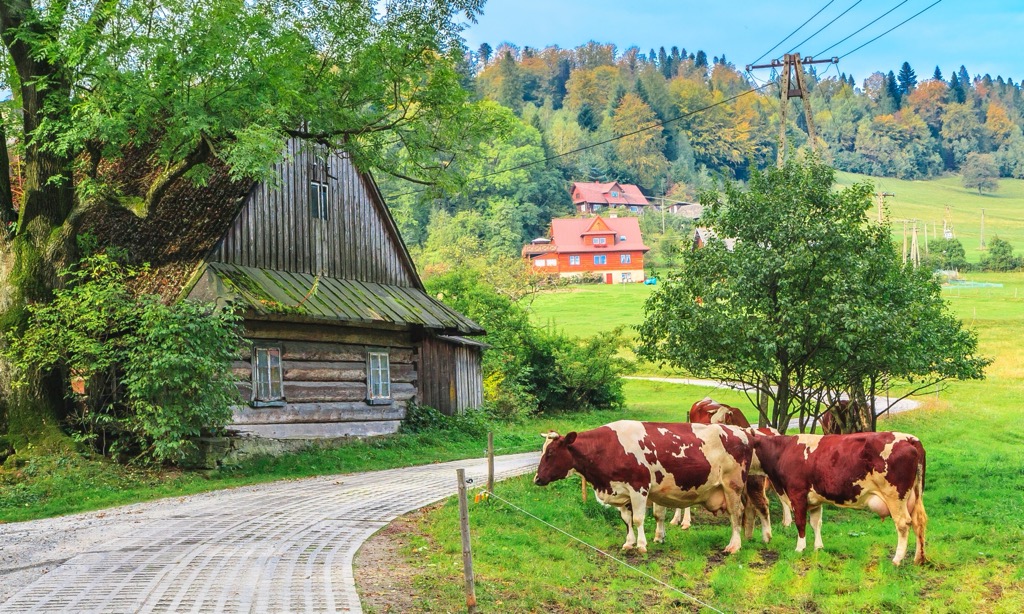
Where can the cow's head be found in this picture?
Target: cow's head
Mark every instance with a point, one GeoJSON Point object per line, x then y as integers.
{"type": "Point", "coordinates": [555, 459]}
{"type": "Point", "coordinates": [757, 436]}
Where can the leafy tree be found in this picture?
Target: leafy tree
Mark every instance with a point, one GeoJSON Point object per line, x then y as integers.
{"type": "Point", "coordinates": [961, 134]}
{"type": "Point", "coordinates": [204, 82]}
{"type": "Point", "coordinates": [928, 100]}
{"type": "Point", "coordinates": [154, 375]}
{"type": "Point", "coordinates": [980, 172]}
{"type": "Point", "coordinates": [638, 150]}
{"type": "Point", "coordinates": [510, 84]}
{"type": "Point", "coordinates": [811, 301]}
{"type": "Point", "coordinates": [947, 255]}
{"type": "Point", "coordinates": [998, 125]}
{"type": "Point", "coordinates": [1000, 256]}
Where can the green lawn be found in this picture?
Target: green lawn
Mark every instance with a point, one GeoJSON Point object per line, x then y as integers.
{"type": "Point", "coordinates": [927, 201]}
{"type": "Point", "coordinates": [974, 496]}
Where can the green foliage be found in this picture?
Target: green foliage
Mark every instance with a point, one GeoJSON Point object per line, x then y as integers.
{"type": "Point", "coordinates": [811, 300]}
{"type": "Point", "coordinates": [423, 419]}
{"type": "Point", "coordinates": [1000, 257]}
{"type": "Point", "coordinates": [154, 375]}
{"type": "Point", "coordinates": [980, 172]}
{"type": "Point", "coordinates": [529, 369]}
{"type": "Point", "coordinates": [947, 255]}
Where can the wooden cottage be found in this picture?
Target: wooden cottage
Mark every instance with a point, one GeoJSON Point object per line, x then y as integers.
{"type": "Point", "coordinates": [343, 334]}
{"type": "Point", "coordinates": [611, 248]}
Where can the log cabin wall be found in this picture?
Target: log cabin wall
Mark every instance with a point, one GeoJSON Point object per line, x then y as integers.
{"type": "Point", "coordinates": [325, 387]}
{"type": "Point", "coordinates": [276, 228]}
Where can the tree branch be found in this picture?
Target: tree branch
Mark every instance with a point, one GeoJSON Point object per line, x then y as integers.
{"type": "Point", "coordinates": [163, 181]}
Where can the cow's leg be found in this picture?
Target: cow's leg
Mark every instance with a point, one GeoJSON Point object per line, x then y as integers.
{"type": "Point", "coordinates": [638, 502]}
{"type": "Point", "coordinates": [757, 505]}
{"type": "Point", "coordinates": [659, 529]}
{"type": "Point", "coordinates": [799, 502]}
{"type": "Point", "coordinates": [681, 518]}
{"type": "Point", "coordinates": [626, 513]}
{"type": "Point", "coordinates": [734, 505]}
{"type": "Point", "coordinates": [919, 519]}
{"type": "Point", "coordinates": [787, 512]}
{"type": "Point", "coordinates": [901, 517]}
{"type": "Point", "coordinates": [815, 514]}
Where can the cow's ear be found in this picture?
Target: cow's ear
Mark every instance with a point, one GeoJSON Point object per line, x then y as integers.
{"type": "Point", "coordinates": [570, 438]}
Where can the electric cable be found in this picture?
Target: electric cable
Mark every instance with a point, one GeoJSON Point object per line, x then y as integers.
{"type": "Point", "coordinates": [871, 23]}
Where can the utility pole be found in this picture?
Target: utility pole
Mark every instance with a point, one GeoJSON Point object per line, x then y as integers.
{"type": "Point", "coordinates": [794, 85]}
{"type": "Point", "coordinates": [880, 200]}
{"type": "Point", "coordinates": [915, 253]}
{"type": "Point", "coordinates": [904, 241]}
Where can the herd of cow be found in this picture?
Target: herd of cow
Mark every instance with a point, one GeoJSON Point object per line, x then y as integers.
{"type": "Point", "coordinates": [719, 461]}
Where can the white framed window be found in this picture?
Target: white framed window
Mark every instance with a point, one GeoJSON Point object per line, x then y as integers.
{"type": "Point", "coordinates": [552, 262]}
{"type": "Point", "coordinates": [538, 262]}
{"type": "Point", "coordinates": [378, 377]}
{"type": "Point", "coordinates": [615, 194]}
{"type": "Point", "coordinates": [267, 384]}
{"type": "Point", "coordinates": [574, 260]}
{"type": "Point", "coordinates": [601, 259]}
{"type": "Point", "coordinates": [626, 278]}
{"type": "Point", "coordinates": [318, 200]}
{"type": "Point", "coordinates": [600, 240]}
{"type": "Point", "coordinates": [622, 237]}
{"type": "Point", "coordinates": [625, 258]}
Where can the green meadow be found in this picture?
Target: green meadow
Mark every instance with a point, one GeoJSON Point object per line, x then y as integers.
{"type": "Point", "coordinates": [926, 201]}
{"type": "Point", "coordinates": [974, 494]}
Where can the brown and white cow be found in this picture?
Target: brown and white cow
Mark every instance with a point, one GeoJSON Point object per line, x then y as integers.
{"type": "Point", "coordinates": [883, 472]}
{"type": "Point", "coordinates": [631, 463]}
{"type": "Point", "coordinates": [709, 411]}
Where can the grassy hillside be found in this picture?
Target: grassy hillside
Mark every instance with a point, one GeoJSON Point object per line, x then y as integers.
{"type": "Point", "coordinates": [927, 201]}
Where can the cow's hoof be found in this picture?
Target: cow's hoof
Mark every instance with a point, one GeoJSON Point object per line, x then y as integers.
{"type": "Point", "coordinates": [896, 561]}
{"type": "Point", "coordinates": [731, 549]}
{"type": "Point", "coordinates": [766, 537]}
{"type": "Point", "coordinates": [627, 547]}
{"type": "Point", "coordinates": [659, 540]}
{"type": "Point", "coordinates": [642, 550]}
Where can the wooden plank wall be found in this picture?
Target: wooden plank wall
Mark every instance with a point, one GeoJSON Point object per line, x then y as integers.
{"type": "Point", "coordinates": [326, 383]}
{"type": "Point", "coordinates": [450, 375]}
{"type": "Point", "coordinates": [275, 230]}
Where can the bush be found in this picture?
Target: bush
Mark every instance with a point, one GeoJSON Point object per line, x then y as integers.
{"type": "Point", "coordinates": [153, 375]}
{"type": "Point", "coordinates": [423, 419]}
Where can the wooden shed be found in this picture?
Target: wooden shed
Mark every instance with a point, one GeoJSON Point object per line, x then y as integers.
{"type": "Point", "coordinates": [343, 334]}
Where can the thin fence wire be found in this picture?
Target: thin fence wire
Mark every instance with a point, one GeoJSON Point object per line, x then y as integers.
{"type": "Point", "coordinates": [610, 556]}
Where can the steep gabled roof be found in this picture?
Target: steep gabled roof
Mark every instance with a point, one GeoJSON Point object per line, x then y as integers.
{"type": "Point", "coordinates": [185, 229]}
{"type": "Point", "coordinates": [602, 193]}
{"type": "Point", "coordinates": [568, 234]}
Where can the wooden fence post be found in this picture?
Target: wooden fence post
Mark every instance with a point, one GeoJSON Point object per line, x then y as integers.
{"type": "Point", "coordinates": [490, 462]}
{"type": "Point", "coordinates": [583, 487]}
{"type": "Point", "coordinates": [467, 552]}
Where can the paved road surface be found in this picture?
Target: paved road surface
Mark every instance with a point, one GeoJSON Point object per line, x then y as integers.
{"type": "Point", "coordinates": [279, 547]}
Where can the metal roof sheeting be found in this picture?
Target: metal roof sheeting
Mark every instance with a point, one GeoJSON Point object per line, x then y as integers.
{"type": "Point", "coordinates": [283, 292]}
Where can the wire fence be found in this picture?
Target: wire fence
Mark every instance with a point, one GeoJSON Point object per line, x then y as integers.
{"type": "Point", "coordinates": [490, 495]}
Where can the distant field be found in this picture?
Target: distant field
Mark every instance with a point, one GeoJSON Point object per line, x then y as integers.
{"type": "Point", "coordinates": [927, 201]}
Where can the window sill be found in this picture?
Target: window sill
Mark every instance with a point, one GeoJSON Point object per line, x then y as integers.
{"type": "Point", "coordinates": [379, 401]}
{"type": "Point", "coordinates": [279, 403]}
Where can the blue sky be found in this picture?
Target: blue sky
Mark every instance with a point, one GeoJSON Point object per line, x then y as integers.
{"type": "Point", "coordinates": [987, 36]}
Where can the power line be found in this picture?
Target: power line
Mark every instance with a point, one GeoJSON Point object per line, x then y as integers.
{"type": "Point", "coordinates": [876, 19]}
{"type": "Point", "coordinates": [825, 26]}
{"type": "Point", "coordinates": [891, 29]}
{"type": "Point", "coordinates": [604, 142]}
{"type": "Point", "coordinates": [793, 32]}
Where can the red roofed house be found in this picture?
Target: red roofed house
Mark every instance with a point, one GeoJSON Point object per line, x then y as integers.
{"type": "Point", "coordinates": [611, 248]}
{"type": "Point", "coordinates": [593, 197]}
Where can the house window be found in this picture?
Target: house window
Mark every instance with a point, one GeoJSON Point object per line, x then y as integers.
{"type": "Point", "coordinates": [378, 378]}
{"type": "Point", "coordinates": [552, 262]}
{"type": "Point", "coordinates": [615, 194]}
{"type": "Point", "coordinates": [538, 262]}
{"type": "Point", "coordinates": [600, 241]}
{"type": "Point", "coordinates": [266, 376]}
{"type": "Point", "coordinates": [625, 258]}
{"type": "Point", "coordinates": [318, 200]}
{"type": "Point", "coordinates": [574, 260]}
{"type": "Point", "coordinates": [627, 278]}
{"type": "Point", "coordinates": [622, 237]}
{"type": "Point", "coordinates": [600, 259]}
{"type": "Point", "coordinates": [634, 209]}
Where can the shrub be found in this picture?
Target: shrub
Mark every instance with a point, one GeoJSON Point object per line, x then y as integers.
{"type": "Point", "coordinates": [154, 375]}
{"type": "Point", "coordinates": [423, 419]}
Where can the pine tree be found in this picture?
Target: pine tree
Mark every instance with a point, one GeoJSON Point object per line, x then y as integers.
{"type": "Point", "coordinates": [907, 79]}
{"type": "Point", "coordinates": [956, 90]}
{"type": "Point", "coordinates": [701, 59]}
{"type": "Point", "coordinates": [892, 89]}
{"type": "Point", "coordinates": [485, 52]}
{"type": "Point", "coordinates": [662, 58]}
{"type": "Point", "coordinates": [938, 74]}
{"type": "Point", "coordinates": [965, 79]}
{"type": "Point", "coordinates": [585, 118]}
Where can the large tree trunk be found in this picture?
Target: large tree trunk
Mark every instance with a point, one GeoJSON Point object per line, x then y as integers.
{"type": "Point", "coordinates": [31, 260]}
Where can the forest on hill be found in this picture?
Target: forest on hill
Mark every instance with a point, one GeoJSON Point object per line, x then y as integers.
{"type": "Point", "coordinates": [674, 122]}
